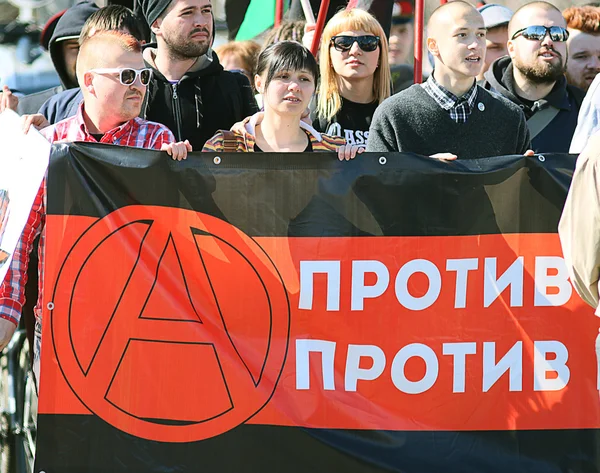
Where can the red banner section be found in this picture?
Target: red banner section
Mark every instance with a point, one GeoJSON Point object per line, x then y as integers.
{"type": "Point", "coordinates": [175, 326]}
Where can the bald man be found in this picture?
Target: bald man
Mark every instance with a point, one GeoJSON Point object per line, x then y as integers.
{"type": "Point", "coordinates": [113, 85]}
{"type": "Point", "coordinates": [450, 116]}
{"type": "Point", "coordinates": [532, 76]}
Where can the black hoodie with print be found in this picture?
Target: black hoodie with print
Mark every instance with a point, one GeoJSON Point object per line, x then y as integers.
{"type": "Point", "coordinates": [556, 136]}
{"type": "Point", "coordinates": [206, 99]}
{"type": "Point", "coordinates": [68, 27]}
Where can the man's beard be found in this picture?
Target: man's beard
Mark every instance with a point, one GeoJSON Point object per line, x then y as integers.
{"type": "Point", "coordinates": [542, 72]}
{"type": "Point", "coordinates": [184, 48]}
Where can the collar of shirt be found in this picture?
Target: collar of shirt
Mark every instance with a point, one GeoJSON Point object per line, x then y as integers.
{"type": "Point", "coordinates": [446, 99]}
{"type": "Point", "coordinates": [110, 136]}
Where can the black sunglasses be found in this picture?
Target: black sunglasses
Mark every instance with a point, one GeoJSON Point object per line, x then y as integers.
{"type": "Point", "coordinates": [367, 43]}
{"type": "Point", "coordinates": [538, 33]}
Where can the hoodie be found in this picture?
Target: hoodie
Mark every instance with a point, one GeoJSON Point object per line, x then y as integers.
{"type": "Point", "coordinates": [68, 27]}
{"type": "Point", "coordinates": [206, 99]}
{"type": "Point", "coordinates": [556, 136]}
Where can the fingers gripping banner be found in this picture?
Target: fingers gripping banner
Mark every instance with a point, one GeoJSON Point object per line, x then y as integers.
{"type": "Point", "coordinates": [291, 312]}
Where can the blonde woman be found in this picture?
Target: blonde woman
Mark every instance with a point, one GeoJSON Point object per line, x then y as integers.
{"type": "Point", "coordinates": [355, 75]}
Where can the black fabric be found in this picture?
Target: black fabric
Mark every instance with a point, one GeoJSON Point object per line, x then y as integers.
{"type": "Point", "coordinates": [235, 12]}
{"type": "Point", "coordinates": [208, 100]}
{"type": "Point", "coordinates": [557, 135]}
{"type": "Point", "coordinates": [152, 9]}
{"type": "Point", "coordinates": [352, 122]}
{"type": "Point", "coordinates": [412, 121]}
{"type": "Point", "coordinates": [381, 9]}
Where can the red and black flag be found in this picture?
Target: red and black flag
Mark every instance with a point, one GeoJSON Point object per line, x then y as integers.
{"type": "Point", "coordinates": [236, 313]}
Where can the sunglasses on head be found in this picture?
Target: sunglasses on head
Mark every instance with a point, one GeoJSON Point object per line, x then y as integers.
{"type": "Point", "coordinates": [367, 43]}
{"type": "Point", "coordinates": [128, 76]}
{"type": "Point", "coordinates": [538, 33]}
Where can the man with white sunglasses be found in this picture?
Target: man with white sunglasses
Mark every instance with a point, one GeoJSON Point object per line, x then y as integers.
{"type": "Point", "coordinates": [532, 76]}
{"type": "Point", "coordinates": [113, 85]}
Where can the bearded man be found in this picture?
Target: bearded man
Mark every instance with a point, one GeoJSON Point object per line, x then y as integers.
{"type": "Point", "coordinates": [190, 92]}
{"type": "Point", "coordinates": [532, 76]}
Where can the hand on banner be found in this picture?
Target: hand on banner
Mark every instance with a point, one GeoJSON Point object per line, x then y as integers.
{"type": "Point", "coordinates": [348, 152]}
{"type": "Point", "coordinates": [177, 150]}
{"type": "Point", "coordinates": [8, 100]}
{"type": "Point", "coordinates": [529, 152]}
{"type": "Point", "coordinates": [7, 329]}
{"type": "Point", "coordinates": [38, 121]}
{"type": "Point", "coordinates": [444, 156]}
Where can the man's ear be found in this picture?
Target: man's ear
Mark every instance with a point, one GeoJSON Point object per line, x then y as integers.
{"type": "Point", "coordinates": [88, 83]}
{"type": "Point", "coordinates": [432, 46]}
{"type": "Point", "coordinates": [155, 28]}
{"type": "Point", "coordinates": [258, 84]}
{"type": "Point", "coordinates": [510, 47]}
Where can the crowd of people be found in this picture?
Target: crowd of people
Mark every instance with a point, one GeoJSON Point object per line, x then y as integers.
{"type": "Point", "coordinates": [502, 83]}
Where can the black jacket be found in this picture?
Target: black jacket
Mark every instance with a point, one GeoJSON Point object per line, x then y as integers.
{"type": "Point", "coordinates": [201, 103]}
{"type": "Point", "coordinates": [556, 136]}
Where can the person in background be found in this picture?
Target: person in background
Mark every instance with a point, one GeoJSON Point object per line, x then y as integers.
{"type": "Point", "coordinates": [532, 76]}
{"type": "Point", "coordinates": [64, 48]}
{"type": "Point", "coordinates": [450, 116]}
{"type": "Point", "coordinates": [239, 56]}
{"type": "Point", "coordinates": [355, 75]}
{"type": "Point", "coordinates": [286, 76]}
{"type": "Point", "coordinates": [110, 18]}
{"type": "Point", "coordinates": [401, 46]}
{"type": "Point", "coordinates": [189, 91]}
{"type": "Point", "coordinates": [495, 19]}
{"type": "Point", "coordinates": [286, 31]}
{"type": "Point", "coordinates": [401, 34]}
{"type": "Point", "coordinates": [583, 45]}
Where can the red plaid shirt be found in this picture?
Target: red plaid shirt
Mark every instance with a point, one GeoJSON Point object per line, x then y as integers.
{"type": "Point", "coordinates": [136, 133]}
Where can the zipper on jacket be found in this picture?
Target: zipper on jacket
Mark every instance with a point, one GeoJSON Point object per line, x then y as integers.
{"type": "Point", "coordinates": [177, 112]}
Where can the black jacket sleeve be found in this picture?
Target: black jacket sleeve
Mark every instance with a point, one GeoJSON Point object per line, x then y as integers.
{"type": "Point", "coordinates": [249, 106]}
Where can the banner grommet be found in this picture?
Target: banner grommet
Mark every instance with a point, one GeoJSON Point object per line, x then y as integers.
{"type": "Point", "coordinates": [382, 160]}
{"type": "Point", "coordinates": [50, 306]}
{"type": "Point", "coordinates": [542, 158]}
{"type": "Point", "coordinates": [217, 160]}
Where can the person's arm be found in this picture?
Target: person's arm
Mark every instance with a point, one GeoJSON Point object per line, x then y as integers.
{"type": "Point", "coordinates": [524, 140]}
{"type": "Point", "coordinates": [579, 226]}
{"type": "Point", "coordinates": [382, 135]}
{"type": "Point", "coordinates": [12, 290]}
{"type": "Point", "coordinates": [214, 145]}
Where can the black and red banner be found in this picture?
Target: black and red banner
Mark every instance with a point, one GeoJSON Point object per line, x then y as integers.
{"type": "Point", "coordinates": [293, 313]}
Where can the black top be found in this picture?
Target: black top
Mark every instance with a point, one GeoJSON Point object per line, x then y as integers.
{"type": "Point", "coordinates": [352, 122]}
{"type": "Point", "coordinates": [308, 148]}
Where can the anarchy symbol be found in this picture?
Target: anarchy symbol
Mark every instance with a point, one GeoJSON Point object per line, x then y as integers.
{"type": "Point", "coordinates": [151, 232]}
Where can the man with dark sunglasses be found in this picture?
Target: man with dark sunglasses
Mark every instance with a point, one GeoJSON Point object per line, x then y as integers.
{"type": "Point", "coordinates": [532, 76]}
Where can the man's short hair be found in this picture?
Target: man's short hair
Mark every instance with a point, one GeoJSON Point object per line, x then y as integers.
{"type": "Point", "coordinates": [538, 4]}
{"type": "Point", "coordinates": [113, 18]}
{"type": "Point", "coordinates": [586, 19]}
{"type": "Point", "coordinates": [443, 7]}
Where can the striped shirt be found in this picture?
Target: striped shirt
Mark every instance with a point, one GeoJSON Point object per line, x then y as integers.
{"type": "Point", "coordinates": [458, 108]}
{"type": "Point", "coordinates": [136, 133]}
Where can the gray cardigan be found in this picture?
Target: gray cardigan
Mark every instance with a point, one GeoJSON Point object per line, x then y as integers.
{"type": "Point", "coordinates": [412, 121]}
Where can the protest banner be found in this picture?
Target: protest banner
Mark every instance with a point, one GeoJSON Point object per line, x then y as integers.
{"type": "Point", "coordinates": [294, 313]}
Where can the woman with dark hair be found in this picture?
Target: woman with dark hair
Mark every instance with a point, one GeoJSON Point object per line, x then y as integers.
{"type": "Point", "coordinates": [286, 74]}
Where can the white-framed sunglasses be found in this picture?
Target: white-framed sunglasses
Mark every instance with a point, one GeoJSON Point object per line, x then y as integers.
{"type": "Point", "coordinates": [127, 76]}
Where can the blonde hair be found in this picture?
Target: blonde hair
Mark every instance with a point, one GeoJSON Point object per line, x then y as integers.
{"type": "Point", "coordinates": [329, 99]}
{"type": "Point", "coordinates": [244, 51]}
